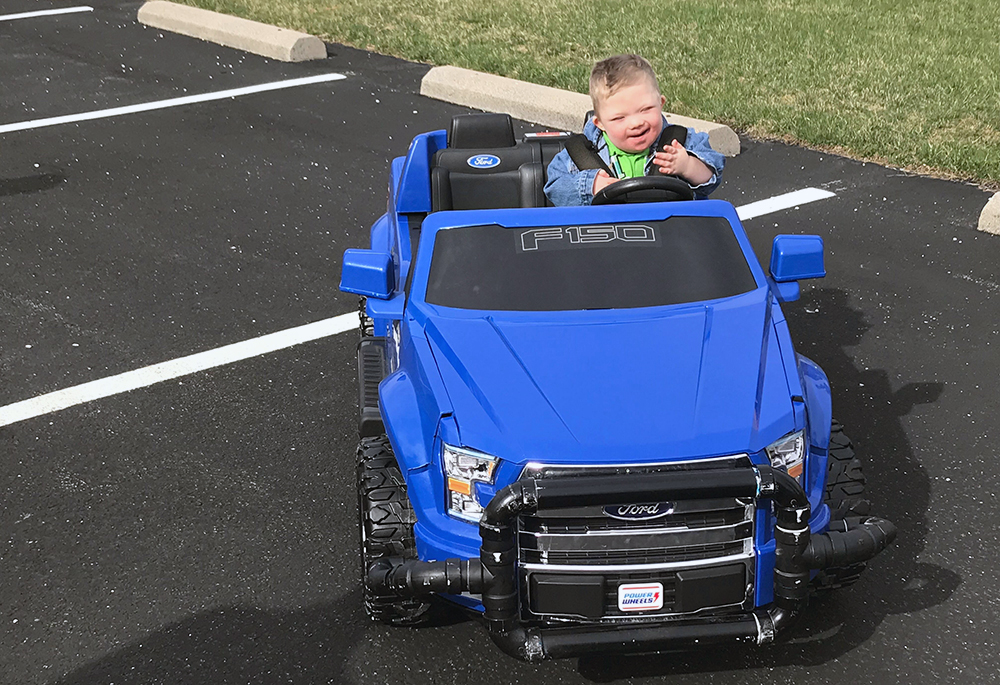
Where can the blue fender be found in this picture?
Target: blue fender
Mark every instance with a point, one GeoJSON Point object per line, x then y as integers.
{"type": "Point", "coordinates": [819, 401]}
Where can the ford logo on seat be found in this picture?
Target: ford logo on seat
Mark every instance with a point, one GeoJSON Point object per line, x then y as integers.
{"type": "Point", "coordinates": [639, 512]}
{"type": "Point", "coordinates": [484, 161]}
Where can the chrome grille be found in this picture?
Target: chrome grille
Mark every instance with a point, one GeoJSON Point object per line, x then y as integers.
{"type": "Point", "coordinates": [696, 531]}
{"type": "Point", "coordinates": [587, 542]}
{"type": "Point", "coordinates": [636, 556]}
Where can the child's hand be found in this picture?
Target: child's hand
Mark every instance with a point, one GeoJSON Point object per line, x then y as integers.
{"type": "Point", "coordinates": [602, 181]}
{"type": "Point", "coordinates": [673, 160]}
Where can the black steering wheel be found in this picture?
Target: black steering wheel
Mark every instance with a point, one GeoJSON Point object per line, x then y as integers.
{"type": "Point", "coordinates": [644, 189]}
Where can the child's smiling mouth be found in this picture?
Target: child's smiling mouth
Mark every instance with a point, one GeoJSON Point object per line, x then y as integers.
{"type": "Point", "coordinates": [637, 139]}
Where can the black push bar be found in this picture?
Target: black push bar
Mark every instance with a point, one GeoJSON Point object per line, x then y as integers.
{"type": "Point", "coordinates": [494, 574]}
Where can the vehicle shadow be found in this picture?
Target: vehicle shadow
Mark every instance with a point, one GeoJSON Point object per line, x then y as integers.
{"type": "Point", "coordinates": [824, 325]}
{"type": "Point", "coordinates": [239, 644]}
{"type": "Point", "coordinates": [29, 184]}
{"type": "Point", "coordinates": [244, 644]}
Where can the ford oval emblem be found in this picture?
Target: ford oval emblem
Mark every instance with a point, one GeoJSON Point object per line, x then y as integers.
{"type": "Point", "coordinates": [639, 512]}
{"type": "Point", "coordinates": [483, 161]}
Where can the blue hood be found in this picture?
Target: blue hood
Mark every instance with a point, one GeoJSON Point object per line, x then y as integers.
{"type": "Point", "coordinates": [626, 386]}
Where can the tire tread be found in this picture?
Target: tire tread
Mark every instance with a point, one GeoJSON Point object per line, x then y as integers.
{"type": "Point", "coordinates": [387, 521]}
{"type": "Point", "coordinates": [845, 489]}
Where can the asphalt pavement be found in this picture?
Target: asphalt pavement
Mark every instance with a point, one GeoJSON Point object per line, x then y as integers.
{"type": "Point", "coordinates": [202, 529]}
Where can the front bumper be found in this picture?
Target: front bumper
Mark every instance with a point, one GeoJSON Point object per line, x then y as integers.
{"type": "Point", "coordinates": [495, 576]}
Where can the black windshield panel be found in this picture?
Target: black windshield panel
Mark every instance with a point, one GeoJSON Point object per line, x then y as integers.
{"type": "Point", "coordinates": [608, 266]}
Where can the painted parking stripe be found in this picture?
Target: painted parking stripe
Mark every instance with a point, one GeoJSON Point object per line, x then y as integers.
{"type": "Point", "coordinates": [172, 102]}
{"type": "Point", "coordinates": [780, 202]}
{"type": "Point", "coordinates": [202, 361]}
{"type": "Point", "coordinates": [45, 13]}
{"type": "Point", "coordinates": [175, 368]}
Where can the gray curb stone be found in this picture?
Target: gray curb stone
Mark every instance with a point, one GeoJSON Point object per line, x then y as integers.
{"type": "Point", "coordinates": [558, 109]}
{"type": "Point", "coordinates": [551, 107]}
{"type": "Point", "coordinates": [242, 34]}
{"type": "Point", "coordinates": [989, 218]}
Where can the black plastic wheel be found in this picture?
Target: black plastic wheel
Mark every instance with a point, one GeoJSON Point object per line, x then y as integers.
{"type": "Point", "coordinates": [387, 521]}
{"type": "Point", "coordinates": [845, 479]}
{"type": "Point", "coordinates": [845, 489]}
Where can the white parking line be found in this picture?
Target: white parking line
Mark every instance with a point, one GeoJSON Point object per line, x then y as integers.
{"type": "Point", "coordinates": [779, 202]}
{"type": "Point", "coordinates": [45, 13]}
{"type": "Point", "coordinates": [173, 102]}
{"type": "Point", "coordinates": [202, 361]}
{"type": "Point", "coordinates": [175, 368]}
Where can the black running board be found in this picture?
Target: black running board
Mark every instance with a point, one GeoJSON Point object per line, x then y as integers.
{"type": "Point", "coordinates": [373, 366]}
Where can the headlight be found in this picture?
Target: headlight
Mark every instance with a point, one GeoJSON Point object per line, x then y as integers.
{"type": "Point", "coordinates": [462, 468]}
{"type": "Point", "coordinates": [789, 453]}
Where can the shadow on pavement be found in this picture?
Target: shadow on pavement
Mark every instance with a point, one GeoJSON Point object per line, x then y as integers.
{"type": "Point", "coordinates": [897, 485]}
{"type": "Point", "coordinates": [239, 644]}
{"type": "Point", "coordinates": [29, 184]}
{"type": "Point", "coordinates": [244, 644]}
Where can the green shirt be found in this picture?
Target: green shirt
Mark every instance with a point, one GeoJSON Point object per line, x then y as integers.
{"type": "Point", "coordinates": [626, 164]}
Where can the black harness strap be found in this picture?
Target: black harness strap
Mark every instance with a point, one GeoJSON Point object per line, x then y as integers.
{"type": "Point", "coordinates": [584, 155]}
{"type": "Point", "coordinates": [669, 135]}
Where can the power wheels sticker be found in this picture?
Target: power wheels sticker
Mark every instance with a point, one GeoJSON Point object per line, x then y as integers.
{"type": "Point", "coordinates": [644, 597]}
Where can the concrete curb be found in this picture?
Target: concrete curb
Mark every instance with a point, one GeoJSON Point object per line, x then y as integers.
{"type": "Point", "coordinates": [558, 109]}
{"type": "Point", "coordinates": [233, 32]}
{"type": "Point", "coordinates": [989, 218]}
{"type": "Point", "coordinates": [552, 107]}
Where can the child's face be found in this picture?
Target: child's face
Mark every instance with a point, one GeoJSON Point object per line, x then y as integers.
{"type": "Point", "coordinates": [632, 116]}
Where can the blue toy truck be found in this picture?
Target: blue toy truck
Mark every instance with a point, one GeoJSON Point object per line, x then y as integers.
{"type": "Point", "coordinates": [588, 423]}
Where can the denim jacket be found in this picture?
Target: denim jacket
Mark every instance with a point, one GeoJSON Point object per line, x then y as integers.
{"type": "Point", "coordinates": [568, 186]}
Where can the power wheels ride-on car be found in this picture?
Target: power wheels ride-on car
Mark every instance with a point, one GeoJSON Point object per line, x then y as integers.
{"type": "Point", "coordinates": [588, 423]}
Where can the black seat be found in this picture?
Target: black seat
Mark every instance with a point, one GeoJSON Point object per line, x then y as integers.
{"type": "Point", "coordinates": [484, 168]}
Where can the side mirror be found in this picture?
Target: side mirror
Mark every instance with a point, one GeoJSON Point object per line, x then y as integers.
{"type": "Point", "coordinates": [795, 258]}
{"type": "Point", "coordinates": [368, 273]}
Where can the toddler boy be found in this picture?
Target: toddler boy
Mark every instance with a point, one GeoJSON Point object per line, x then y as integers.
{"type": "Point", "coordinates": [627, 122]}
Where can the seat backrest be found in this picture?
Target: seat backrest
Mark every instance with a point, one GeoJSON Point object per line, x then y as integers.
{"type": "Point", "coordinates": [481, 130]}
{"type": "Point", "coordinates": [483, 168]}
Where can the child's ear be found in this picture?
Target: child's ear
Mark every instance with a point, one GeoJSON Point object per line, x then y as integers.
{"type": "Point", "coordinates": [663, 101]}
{"type": "Point", "coordinates": [597, 123]}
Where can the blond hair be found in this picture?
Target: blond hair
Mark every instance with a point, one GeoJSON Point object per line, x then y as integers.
{"type": "Point", "coordinates": [614, 73]}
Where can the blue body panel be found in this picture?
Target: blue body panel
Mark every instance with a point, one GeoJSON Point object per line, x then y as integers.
{"type": "Point", "coordinates": [413, 185]}
{"type": "Point", "coordinates": [655, 384]}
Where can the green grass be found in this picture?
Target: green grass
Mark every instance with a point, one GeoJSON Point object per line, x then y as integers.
{"type": "Point", "coordinates": [915, 85]}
